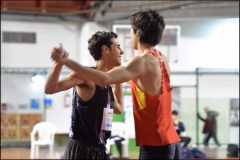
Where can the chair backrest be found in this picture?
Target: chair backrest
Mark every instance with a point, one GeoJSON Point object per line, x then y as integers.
{"type": "Point", "coordinates": [119, 129]}
{"type": "Point", "coordinates": [45, 130]}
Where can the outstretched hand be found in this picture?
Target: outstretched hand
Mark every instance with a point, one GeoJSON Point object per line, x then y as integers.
{"type": "Point", "coordinates": [58, 54]}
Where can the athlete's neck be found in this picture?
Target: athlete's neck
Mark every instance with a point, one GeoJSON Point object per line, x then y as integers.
{"type": "Point", "coordinates": [100, 65]}
{"type": "Point", "coordinates": [142, 47]}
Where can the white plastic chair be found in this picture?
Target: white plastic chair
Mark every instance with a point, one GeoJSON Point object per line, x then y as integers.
{"type": "Point", "coordinates": [46, 133]}
{"type": "Point", "coordinates": [119, 129]}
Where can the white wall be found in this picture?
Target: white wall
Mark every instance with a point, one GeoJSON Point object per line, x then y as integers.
{"type": "Point", "coordinates": [48, 35]}
{"type": "Point", "coordinates": [211, 43]}
{"type": "Point", "coordinates": [17, 89]}
{"type": "Point", "coordinates": [208, 43]}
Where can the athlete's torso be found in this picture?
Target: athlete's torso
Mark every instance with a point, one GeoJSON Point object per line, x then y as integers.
{"type": "Point", "coordinates": [153, 112]}
{"type": "Point", "coordinates": [87, 116]}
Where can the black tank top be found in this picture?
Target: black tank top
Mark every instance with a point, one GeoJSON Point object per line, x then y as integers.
{"type": "Point", "coordinates": [87, 116]}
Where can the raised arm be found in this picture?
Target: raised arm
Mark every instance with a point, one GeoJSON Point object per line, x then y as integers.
{"type": "Point", "coordinates": [117, 75]}
{"type": "Point", "coordinates": [53, 84]}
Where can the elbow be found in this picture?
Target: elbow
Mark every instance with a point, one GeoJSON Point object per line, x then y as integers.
{"type": "Point", "coordinates": [49, 91]}
{"type": "Point", "coordinates": [118, 112]}
{"type": "Point", "coordinates": [119, 109]}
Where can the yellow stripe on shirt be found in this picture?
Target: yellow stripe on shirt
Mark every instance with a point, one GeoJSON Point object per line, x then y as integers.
{"type": "Point", "coordinates": [140, 98]}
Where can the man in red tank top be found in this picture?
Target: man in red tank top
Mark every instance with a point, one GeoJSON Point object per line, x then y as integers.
{"type": "Point", "coordinates": [151, 90]}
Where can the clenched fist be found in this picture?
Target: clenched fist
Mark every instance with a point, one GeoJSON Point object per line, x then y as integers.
{"type": "Point", "coordinates": [58, 54]}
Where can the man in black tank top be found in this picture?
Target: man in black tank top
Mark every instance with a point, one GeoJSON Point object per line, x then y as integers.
{"type": "Point", "coordinates": [92, 105]}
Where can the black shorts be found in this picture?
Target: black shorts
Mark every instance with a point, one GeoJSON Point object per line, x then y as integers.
{"type": "Point", "coordinates": [78, 150]}
{"type": "Point", "coordinates": [168, 152]}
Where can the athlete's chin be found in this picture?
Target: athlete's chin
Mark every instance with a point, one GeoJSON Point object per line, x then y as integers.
{"type": "Point", "coordinates": [118, 63]}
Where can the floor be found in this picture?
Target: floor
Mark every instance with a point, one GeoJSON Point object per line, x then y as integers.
{"type": "Point", "coordinates": [24, 153]}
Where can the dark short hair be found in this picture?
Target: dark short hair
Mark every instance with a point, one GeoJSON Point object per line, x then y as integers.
{"type": "Point", "coordinates": [175, 112]}
{"type": "Point", "coordinates": [150, 25]}
{"type": "Point", "coordinates": [99, 39]}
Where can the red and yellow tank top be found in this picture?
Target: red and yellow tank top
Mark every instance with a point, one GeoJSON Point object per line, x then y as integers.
{"type": "Point", "coordinates": [153, 113]}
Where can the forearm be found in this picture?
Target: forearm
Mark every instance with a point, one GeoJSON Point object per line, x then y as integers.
{"type": "Point", "coordinates": [116, 75]}
{"type": "Point", "coordinates": [118, 98]}
{"type": "Point", "coordinates": [52, 80]}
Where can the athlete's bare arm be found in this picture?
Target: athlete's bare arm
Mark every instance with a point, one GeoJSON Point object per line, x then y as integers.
{"type": "Point", "coordinates": [118, 97]}
{"type": "Point", "coordinates": [117, 75]}
{"type": "Point", "coordinates": [53, 84]}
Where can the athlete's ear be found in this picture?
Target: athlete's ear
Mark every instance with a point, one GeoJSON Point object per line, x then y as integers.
{"type": "Point", "coordinates": [138, 34]}
{"type": "Point", "coordinates": [105, 49]}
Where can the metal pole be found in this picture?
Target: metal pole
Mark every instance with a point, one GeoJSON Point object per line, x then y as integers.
{"type": "Point", "coordinates": [44, 98]}
{"type": "Point", "coordinates": [197, 104]}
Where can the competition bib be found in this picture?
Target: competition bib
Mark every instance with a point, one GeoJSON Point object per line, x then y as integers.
{"type": "Point", "coordinates": [107, 119]}
{"type": "Point", "coordinates": [107, 115]}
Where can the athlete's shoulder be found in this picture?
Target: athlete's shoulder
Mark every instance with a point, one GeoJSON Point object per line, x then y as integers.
{"type": "Point", "coordinates": [136, 60]}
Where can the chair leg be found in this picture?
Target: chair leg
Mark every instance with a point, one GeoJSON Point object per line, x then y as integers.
{"type": "Point", "coordinates": [32, 151]}
{"type": "Point", "coordinates": [125, 150]}
{"type": "Point", "coordinates": [108, 146]}
{"type": "Point", "coordinates": [37, 151]}
{"type": "Point", "coordinates": [51, 150]}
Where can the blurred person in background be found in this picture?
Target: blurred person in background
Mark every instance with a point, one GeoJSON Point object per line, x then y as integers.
{"type": "Point", "coordinates": [210, 126]}
{"type": "Point", "coordinates": [180, 128]}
